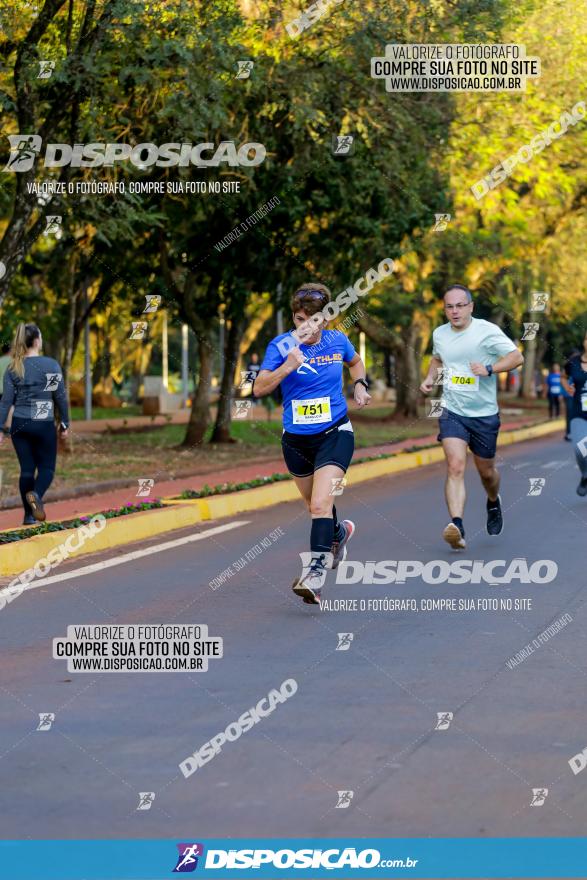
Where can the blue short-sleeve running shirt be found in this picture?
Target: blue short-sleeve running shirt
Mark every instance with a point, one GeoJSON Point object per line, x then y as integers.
{"type": "Point", "coordinates": [313, 395]}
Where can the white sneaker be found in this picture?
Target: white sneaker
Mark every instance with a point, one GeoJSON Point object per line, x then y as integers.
{"type": "Point", "coordinates": [452, 535]}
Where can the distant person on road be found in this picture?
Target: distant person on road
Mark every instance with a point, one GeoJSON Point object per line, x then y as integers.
{"type": "Point", "coordinates": [554, 391]}
{"type": "Point", "coordinates": [469, 352]}
{"type": "Point", "coordinates": [318, 441]}
{"type": "Point", "coordinates": [253, 367]}
{"type": "Point", "coordinates": [33, 383]}
{"type": "Point", "coordinates": [576, 373]}
{"type": "Point", "coordinates": [568, 399]}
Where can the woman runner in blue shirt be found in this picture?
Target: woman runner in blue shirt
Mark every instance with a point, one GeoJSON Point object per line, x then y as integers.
{"type": "Point", "coordinates": [317, 440]}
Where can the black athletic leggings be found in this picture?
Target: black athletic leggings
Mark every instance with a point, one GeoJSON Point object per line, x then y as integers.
{"type": "Point", "coordinates": [35, 443]}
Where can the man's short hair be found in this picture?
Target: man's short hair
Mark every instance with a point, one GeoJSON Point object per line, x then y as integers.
{"type": "Point", "coordinates": [459, 287]}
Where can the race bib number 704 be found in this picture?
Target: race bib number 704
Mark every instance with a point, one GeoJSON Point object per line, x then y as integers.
{"type": "Point", "coordinates": [311, 412]}
{"type": "Point", "coordinates": [459, 381]}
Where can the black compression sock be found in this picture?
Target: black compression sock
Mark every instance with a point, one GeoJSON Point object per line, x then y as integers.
{"type": "Point", "coordinates": [338, 527]}
{"type": "Point", "coordinates": [321, 535]}
{"type": "Point", "coordinates": [492, 505]}
{"type": "Point", "coordinates": [459, 524]}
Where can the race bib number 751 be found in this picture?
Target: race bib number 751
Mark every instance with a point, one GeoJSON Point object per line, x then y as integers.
{"type": "Point", "coordinates": [311, 412]}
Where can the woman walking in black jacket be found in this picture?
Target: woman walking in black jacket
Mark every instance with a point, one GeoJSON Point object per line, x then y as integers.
{"type": "Point", "coordinates": [33, 383]}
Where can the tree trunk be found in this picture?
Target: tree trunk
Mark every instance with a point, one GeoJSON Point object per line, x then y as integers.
{"type": "Point", "coordinates": [408, 372]}
{"type": "Point", "coordinates": [200, 413]}
{"type": "Point", "coordinates": [527, 387]}
{"type": "Point", "coordinates": [221, 432]}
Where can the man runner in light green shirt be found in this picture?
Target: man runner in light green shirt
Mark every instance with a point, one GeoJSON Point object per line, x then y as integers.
{"type": "Point", "coordinates": [469, 352]}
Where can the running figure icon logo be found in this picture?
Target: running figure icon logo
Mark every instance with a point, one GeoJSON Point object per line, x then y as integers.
{"type": "Point", "coordinates": [242, 408]}
{"type": "Point", "coordinates": [145, 486]}
{"type": "Point", "coordinates": [537, 484]}
{"type": "Point", "coordinates": [538, 301]}
{"type": "Point", "coordinates": [46, 719]}
{"type": "Point", "coordinates": [247, 379]}
{"type": "Point", "coordinates": [443, 376]}
{"type": "Point", "coordinates": [436, 408]}
{"type": "Point", "coordinates": [444, 719]}
{"type": "Point", "coordinates": [24, 149]}
{"type": "Point", "coordinates": [42, 409]}
{"type": "Point", "coordinates": [344, 799]}
{"type": "Point", "coordinates": [146, 799]}
{"type": "Point", "coordinates": [53, 226]}
{"type": "Point", "coordinates": [530, 331]}
{"type": "Point", "coordinates": [344, 641]}
{"type": "Point", "coordinates": [46, 69]}
{"type": "Point", "coordinates": [343, 145]}
{"type": "Point", "coordinates": [338, 485]}
{"type": "Point", "coordinates": [153, 303]}
{"type": "Point", "coordinates": [52, 381]}
{"type": "Point", "coordinates": [442, 221]}
{"type": "Point", "coordinates": [244, 69]}
{"type": "Point", "coordinates": [539, 795]}
{"type": "Point", "coordinates": [139, 329]}
{"type": "Point", "coordinates": [187, 860]}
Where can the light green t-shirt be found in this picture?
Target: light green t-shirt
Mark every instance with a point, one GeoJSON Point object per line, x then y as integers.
{"type": "Point", "coordinates": [481, 342]}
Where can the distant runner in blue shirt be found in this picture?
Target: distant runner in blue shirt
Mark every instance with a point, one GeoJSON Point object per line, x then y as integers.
{"type": "Point", "coordinates": [554, 391]}
{"type": "Point", "coordinates": [318, 440]}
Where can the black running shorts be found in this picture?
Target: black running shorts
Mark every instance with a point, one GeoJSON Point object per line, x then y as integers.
{"type": "Point", "coordinates": [306, 453]}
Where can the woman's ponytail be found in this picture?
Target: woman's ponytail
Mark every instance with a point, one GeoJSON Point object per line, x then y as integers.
{"type": "Point", "coordinates": [24, 337]}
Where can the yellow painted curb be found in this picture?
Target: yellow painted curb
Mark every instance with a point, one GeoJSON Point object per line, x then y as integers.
{"type": "Point", "coordinates": [21, 555]}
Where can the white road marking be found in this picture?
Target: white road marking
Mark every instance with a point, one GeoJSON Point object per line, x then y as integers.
{"type": "Point", "coordinates": [523, 464]}
{"type": "Point", "coordinates": [127, 557]}
{"type": "Point", "coordinates": [554, 465]}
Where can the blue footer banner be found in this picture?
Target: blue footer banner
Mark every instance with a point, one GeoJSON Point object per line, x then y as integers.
{"type": "Point", "coordinates": [288, 858]}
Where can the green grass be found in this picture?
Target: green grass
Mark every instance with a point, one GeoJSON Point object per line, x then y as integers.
{"type": "Point", "coordinates": [123, 412]}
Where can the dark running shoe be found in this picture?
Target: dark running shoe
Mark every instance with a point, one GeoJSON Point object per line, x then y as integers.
{"type": "Point", "coordinates": [494, 517]}
{"type": "Point", "coordinates": [29, 520]}
{"type": "Point", "coordinates": [36, 506]}
{"type": "Point", "coordinates": [339, 547]}
{"type": "Point", "coordinates": [582, 487]}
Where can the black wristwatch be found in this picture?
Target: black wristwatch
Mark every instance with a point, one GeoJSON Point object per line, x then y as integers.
{"type": "Point", "coordinates": [363, 382]}
{"type": "Point", "coordinates": [489, 369]}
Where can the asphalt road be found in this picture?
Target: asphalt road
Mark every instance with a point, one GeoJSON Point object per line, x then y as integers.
{"type": "Point", "coordinates": [362, 719]}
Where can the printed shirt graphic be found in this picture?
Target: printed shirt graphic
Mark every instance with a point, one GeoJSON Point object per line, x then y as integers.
{"type": "Point", "coordinates": [481, 342]}
{"type": "Point", "coordinates": [578, 376]}
{"type": "Point", "coordinates": [319, 377]}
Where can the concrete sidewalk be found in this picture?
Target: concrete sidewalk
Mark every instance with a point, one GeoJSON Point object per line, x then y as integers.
{"type": "Point", "coordinates": [99, 501]}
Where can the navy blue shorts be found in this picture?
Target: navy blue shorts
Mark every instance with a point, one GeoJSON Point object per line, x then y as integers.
{"type": "Point", "coordinates": [305, 453]}
{"type": "Point", "coordinates": [479, 433]}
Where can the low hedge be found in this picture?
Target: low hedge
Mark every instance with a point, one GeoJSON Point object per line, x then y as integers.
{"type": "Point", "coordinates": [43, 528]}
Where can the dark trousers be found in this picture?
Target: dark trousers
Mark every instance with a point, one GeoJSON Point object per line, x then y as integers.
{"type": "Point", "coordinates": [35, 442]}
{"type": "Point", "coordinates": [553, 405]}
{"type": "Point", "coordinates": [568, 412]}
